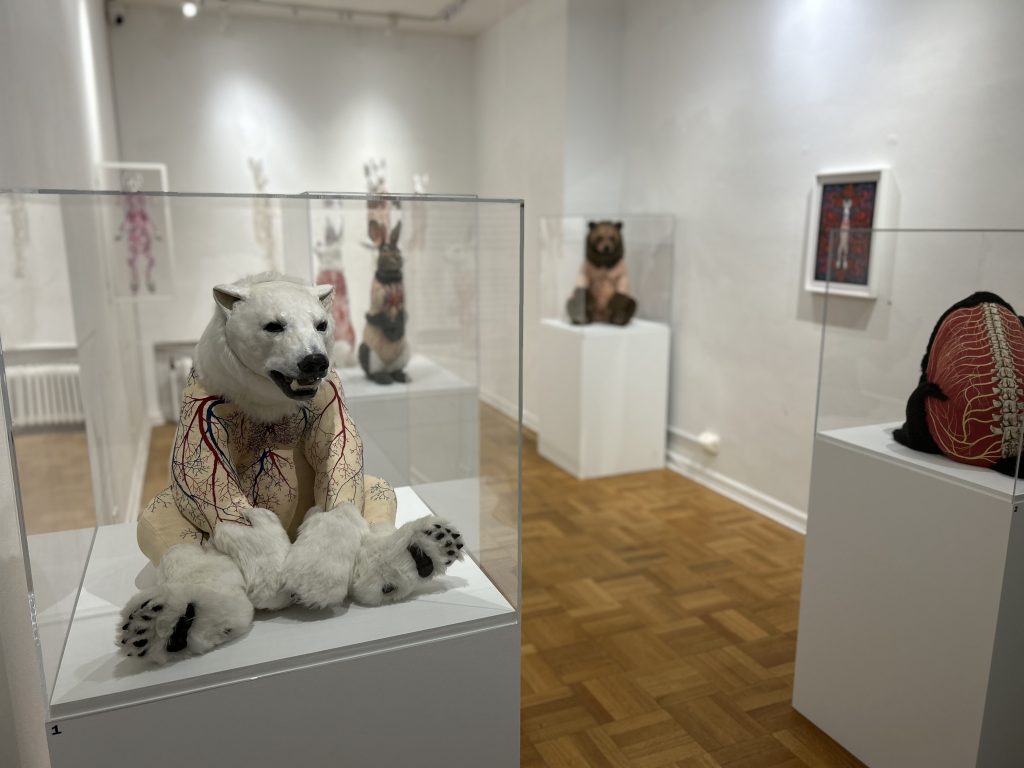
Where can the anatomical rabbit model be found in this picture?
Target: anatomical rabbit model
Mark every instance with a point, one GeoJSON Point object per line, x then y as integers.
{"type": "Point", "coordinates": [330, 272]}
{"type": "Point", "coordinates": [384, 353]}
{"type": "Point", "coordinates": [139, 229]}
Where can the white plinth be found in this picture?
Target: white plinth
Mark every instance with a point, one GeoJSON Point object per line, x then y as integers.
{"type": "Point", "coordinates": [351, 686]}
{"type": "Point", "coordinates": [427, 430]}
{"type": "Point", "coordinates": [604, 396]}
{"type": "Point", "coordinates": [912, 611]}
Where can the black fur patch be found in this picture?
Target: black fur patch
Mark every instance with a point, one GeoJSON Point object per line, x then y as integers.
{"type": "Point", "coordinates": [424, 565]}
{"type": "Point", "coordinates": [178, 640]}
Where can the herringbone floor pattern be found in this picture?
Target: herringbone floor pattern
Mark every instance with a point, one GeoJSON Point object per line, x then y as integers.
{"type": "Point", "coordinates": [659, 628]}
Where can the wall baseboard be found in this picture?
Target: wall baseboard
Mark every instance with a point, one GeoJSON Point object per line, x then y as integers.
{"type": "Point", "coordinates": [772, 508]}
{"type": "Point", "coordinates": [508, 408]}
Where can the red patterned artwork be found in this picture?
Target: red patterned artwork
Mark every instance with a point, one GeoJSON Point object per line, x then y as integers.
{"type": "Point", "coordinates": [977, 360]}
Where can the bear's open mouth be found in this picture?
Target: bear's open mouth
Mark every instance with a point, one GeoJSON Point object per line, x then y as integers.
{"type": "Point", "coordinates": [297, 388]}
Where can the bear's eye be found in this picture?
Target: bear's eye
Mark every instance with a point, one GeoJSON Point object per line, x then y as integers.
{"type": "Point", "coordinates": [274, 327]}
{"type": "Point", "coordinates": [321, 326]}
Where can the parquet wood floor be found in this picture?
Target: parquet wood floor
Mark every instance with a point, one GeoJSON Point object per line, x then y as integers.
{"type": "Point", "coordinates": [659, 628]}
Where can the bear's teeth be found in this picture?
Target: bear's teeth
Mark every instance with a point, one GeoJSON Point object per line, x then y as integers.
{"type": "Point", "coordinates": [295, 385]}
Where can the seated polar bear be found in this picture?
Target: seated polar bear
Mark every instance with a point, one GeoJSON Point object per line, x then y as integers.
{"type": "Point", "coordinates": [264, 435]}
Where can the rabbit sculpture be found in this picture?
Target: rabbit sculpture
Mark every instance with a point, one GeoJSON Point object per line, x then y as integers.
{"type": "Point", "coordinates": [384, 351]}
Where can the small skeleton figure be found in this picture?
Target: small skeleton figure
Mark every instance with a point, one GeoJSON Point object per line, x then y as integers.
{"type": "Point", "coordinates": [843, 249]}
{"type": "Point", "coordinates": [139, 229]}
{"type": "Point", "coordinates": [262, 213]}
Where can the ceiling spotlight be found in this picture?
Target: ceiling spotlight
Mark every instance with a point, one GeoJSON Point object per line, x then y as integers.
{"type": "Point", "coordinates": [189, 9]}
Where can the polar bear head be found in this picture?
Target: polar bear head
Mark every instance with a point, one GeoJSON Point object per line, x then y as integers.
{"type": "Point", "coordinates": [269, 342]}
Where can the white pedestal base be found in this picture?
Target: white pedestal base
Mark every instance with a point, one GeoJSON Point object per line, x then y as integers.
{"type": "Point", "coordinates": [425, 682]}
{"type": "Point", "coordinates": [604, 398]}
{"type": "Point", "coordinates": [425, 431]}
{"type": "Point", "coordinates": [912, 612]}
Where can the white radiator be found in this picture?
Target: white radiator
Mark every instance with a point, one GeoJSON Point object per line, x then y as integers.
{"type": "Point", "coordinates": [45, 395]}
{"type": "Point", "coordinates": [181, 367]}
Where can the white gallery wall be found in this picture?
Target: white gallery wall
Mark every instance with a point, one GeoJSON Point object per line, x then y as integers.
{"type": "Point", "coordinates": [520, 124]}
{"type": "Point", "coordinates": [730, 110]}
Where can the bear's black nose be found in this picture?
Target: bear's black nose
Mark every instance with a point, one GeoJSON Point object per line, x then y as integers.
{"type": "Point", "coordinates": [314, 365]}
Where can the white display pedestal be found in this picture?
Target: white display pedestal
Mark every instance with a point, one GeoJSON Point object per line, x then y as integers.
{"type": "Point", "coordinates": [425, 431]}
{"type": "Point", "coordinates": [911, 633]}
{"type": "Point", "coordinates": [604, 396]}
{"type": "Point", "coordinates": [423, 682]}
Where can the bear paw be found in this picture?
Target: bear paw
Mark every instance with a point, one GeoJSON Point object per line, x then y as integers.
{"type": "Point", "coordinates": [175, 620]}
{"type": "Point", "coordinates": [391, 565]}
{"type": "Point", "coordinates": [319, 565]}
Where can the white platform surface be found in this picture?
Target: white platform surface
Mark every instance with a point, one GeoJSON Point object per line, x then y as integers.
{"type": "Point", "coordinates": [877, 439]}
{"type": "Point", "coordinates": [92, 675]}
{"type": "Point", "coordinates": [426, 377]}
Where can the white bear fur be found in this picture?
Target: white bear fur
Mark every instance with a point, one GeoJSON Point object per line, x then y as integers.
{"type": "Point", "coordinates": [318, 569]}
{"type": "Point", "coordinates": [259, 551]}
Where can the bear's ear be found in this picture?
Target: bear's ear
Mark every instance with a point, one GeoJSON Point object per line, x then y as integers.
{"type": "Point", "coordinates": [227, 296]}
{"type": "Point", "coordinates": [325, 295]}
{"type": "Point", "coordinates": [618, 225]}
{"type": "Point", "coordinates": [591, 225]}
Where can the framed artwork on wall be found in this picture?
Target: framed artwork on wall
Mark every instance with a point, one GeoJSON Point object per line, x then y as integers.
{"type": "Point", "coordinates": [138, 247]}
{"type": "Point", "coordinates": [842, 253]}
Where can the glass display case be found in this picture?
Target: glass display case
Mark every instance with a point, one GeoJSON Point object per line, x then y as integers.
{"type": "Point", "coordinates": [910, 612]}
{"type": "Point", "coordinates": [83, 380]}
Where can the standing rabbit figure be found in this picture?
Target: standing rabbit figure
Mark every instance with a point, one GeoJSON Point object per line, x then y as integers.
{"type": "Point", "coordinates": [384, 351]}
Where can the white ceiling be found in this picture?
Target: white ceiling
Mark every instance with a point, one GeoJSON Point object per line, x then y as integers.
{"type": "Point", "coordinates": [472, 17]}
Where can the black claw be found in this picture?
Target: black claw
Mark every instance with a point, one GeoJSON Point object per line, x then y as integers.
{"type": "Point", "coordinates": [124, 641]}
{"type": "Point", "coordinates": [124, 627]}
{"type": "Point", "coordinates": [447, 530]}
{"type": "Point", "coordinates": [437, 525]}
{"type": "Point", "coordinates": [140, 643]}
{"type": "Point", "coordinates": [458, 535]}
{"type": "Point", "coordinates": [449, 543]}
{"type": "Point", "coordinates": [439, 536]}
{"type": "Point", "coordinates": [146, 618]}
{"type": "Point", "coordinates": [449, 562]}
{"type": "Point", "coordinates": [388, 589]}
{"type": "Point", "coordinates": [450, 553]}
{"type": "Point", "coordinates": [227, 631]}
{"type": "Point", "coordinates": [139, 631]}
{"type": "Point", "coordinates": [144, 605]}
{"type": "Point", "coordinates": [143, 653]}
{"type": "Point", "coordinates": [157, 608]}
{"type": "Point", "coordinates": [459, 545]}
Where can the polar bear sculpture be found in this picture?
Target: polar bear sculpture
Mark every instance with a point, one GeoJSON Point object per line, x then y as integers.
{"type": "Point", "coordinates": [268, 504]}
